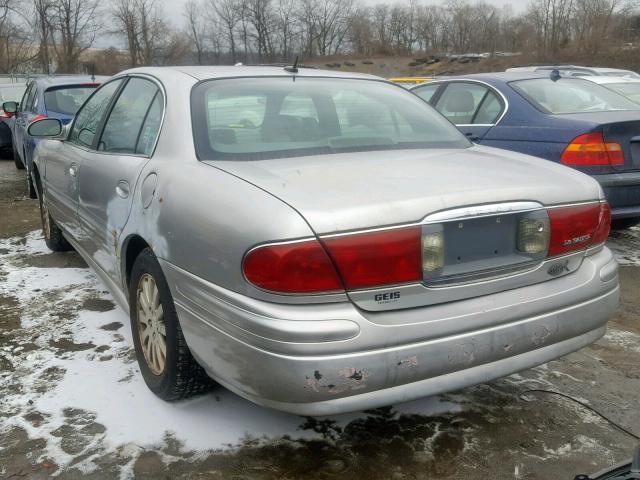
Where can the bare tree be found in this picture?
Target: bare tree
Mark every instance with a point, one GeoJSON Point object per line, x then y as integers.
{"type": "Point", "coordinates": [74, 27]}
{"type": "Point", "coordinates": [140, 21]}
{"type": "Point", "coordinates": [40, 23]}
{"type": "Point", "coordinates": [196, 30]}
{"type": "Point", "coordinates": [229, 12]}
{"type": "Point", "coordinates": [15, 48]}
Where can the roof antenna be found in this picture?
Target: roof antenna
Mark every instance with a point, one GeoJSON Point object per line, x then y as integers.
{"type": "Point", "coordinates": [294, 68]}
{"type": "Point", "coordinates": [555, 75]}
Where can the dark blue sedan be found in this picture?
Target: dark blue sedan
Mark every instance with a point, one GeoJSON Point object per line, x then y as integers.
{"type": "Point", "coordinates": [567, 120]}
{"type": "Point", "coordinates": [56, 97]}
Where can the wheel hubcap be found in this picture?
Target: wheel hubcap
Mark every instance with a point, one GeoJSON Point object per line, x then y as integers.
{"type": "Point", "coordinates": [151, 325]}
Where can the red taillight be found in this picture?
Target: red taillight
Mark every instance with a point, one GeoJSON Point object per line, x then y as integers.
{"type": "Point", "coordinates": [602, 233]}
{"type": "Point", "coordinates": [296, 267]}
{"type": "Point", "coordinates": [378, 258]}
{"type": "Point", "coordinates": [591, 149]}
{"type": "Point", "coordinates": [576, 228]}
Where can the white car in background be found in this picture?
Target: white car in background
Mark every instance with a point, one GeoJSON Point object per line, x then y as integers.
{"type": "Point", "coordinates": [626, 86]}
{"type": "Point", "coordinates": [578, 71]}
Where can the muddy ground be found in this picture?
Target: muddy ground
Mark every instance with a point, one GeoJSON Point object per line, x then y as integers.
{"type": "Point", "coordinates": [73, 404]}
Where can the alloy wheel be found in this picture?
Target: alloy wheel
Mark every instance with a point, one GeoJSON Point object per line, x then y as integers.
{"type": "Point", "coordinates": [151, 324]}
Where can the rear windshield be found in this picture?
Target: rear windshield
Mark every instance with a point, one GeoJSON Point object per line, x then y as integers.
{"type": "Point", "coordinates": [571, 95]}
{"type": "Point", "coordinates": [264, 118]}
{"type": "Point", "coordinates": [12, 93]}
{"type": "Point", "coordinates": [67, 100]}
{"type": "Point", "coordinates": [629, 90]}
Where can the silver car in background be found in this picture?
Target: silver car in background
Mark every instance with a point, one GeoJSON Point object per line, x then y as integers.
{"type": "Point", "coordinates": [320, 242]}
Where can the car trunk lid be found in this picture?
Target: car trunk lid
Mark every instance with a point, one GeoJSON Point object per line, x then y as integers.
{"type": "Point", "coordinates": [363, 190]}
{"type": "Point", "coordinates": [477, 197]}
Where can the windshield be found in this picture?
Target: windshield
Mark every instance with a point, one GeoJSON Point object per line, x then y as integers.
{"type": "Point", "coordinates": [571, 95]}
{"type": "Point", "coordinates": [67, 100]}
{"type": "Point", "coordinates": [264, 118]}
{"type": "Point", "coordinates": [629, 90]}
{"type": "Point", "coordinates": [12, 93]}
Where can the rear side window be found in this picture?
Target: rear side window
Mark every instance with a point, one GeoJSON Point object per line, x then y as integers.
{"type": "Point", "coordinates": [66, 101]}
{"type": "Point", "coordinates": [276, 117]}
{"type": "Point", "coordinates": [570, 95]}
{"type": "Point", "coordinates": [124, 126]}
{"type": "Point", "coordinates": [151, 127]}
{"type": "Point", "coordinates": [427, 92]}
{"type": "Point", "coordinates": [89, 117]}
{"type": "Point", "coordinates": [27, 101]}
{"type": "Point", "coordinates": [460, 102]}
{"type": "Point", "coordinates": [489, 110]}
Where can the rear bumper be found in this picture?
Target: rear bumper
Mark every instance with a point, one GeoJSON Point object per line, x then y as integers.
{"type": "Point", "coordinates": [623, 193]}
{"type": "Point", "coordinates": [345, 361]}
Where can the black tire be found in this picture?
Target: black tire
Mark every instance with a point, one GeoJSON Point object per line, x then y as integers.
{"type": "Point", "coordinates": [624, 223]}
{"type": "Point", "coordinates": [181, 376]}
{"type": "Point", "coordinates": [17, 161]}
{"type": "Point", "coordinates": [53, 236]}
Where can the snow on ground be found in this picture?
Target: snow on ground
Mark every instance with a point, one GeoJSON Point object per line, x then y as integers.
{"type": "Point", "coordinates": [626, 245]}
{"type": "Point", "coordinates": [77, 371]}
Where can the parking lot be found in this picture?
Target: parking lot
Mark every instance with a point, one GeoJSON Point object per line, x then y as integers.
{"type": "Point", "coordinates": [73, 403]}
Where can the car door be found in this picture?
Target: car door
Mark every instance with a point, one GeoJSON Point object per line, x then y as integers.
{"type": "Point", "coordinates": [473, 107]}
{"type": "Point", "coordinates": [108, 176]}
{"type": "Point", "coordinates": [61, 168]}
{"type": "Point", "coordinates": [23, 116]}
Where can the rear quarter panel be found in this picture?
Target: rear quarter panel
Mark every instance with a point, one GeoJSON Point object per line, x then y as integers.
{"type": "Point", "coordinates": [527, 130]}
{"type": "Point", "coordinates": [195, 216]}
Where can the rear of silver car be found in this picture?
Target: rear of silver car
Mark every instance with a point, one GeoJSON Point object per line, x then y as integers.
{"type": "Point", "coordinates": [375, 256]}
{"type": "Point", "coordinates": [509, 289]}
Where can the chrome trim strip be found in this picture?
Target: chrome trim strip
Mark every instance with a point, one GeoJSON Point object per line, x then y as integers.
{"type": "Point", "coordinates": [369, 230]}
{"type": "Point", "coordinates": [481, 211]}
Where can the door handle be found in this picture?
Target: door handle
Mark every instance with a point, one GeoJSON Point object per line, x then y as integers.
{"type": "Point", "coordinates": [122, 189]}
{"type": "Point", "coordinates": [73, 171]}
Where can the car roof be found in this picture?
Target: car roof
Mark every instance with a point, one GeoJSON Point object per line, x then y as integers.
{"type": "Point", "coordinates": [604, 80]}
{"type": "Point", "coordinates": [55, 81]}
{"type": "Point", "coordinates": [499, 76]}
{"type": "Point", "coordinates": [571, 68]}
{"type": "Point", "coordinates": [212, 72]}
{"type": "Point", "coordinates": [12, 85]}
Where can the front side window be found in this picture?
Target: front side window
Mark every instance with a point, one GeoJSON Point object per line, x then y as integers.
{"type": "Point", "coordinates": [570, 95]}
{"type": "Point", "coordinates": [123, 127]}
{"type": "Point", "coordinates": [91, 113]}
{"type": "Point", "coordinates": [65, 100]}
{"type": "Point", "coordinates": [263, 118]}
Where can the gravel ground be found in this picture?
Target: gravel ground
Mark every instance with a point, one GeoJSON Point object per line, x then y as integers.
{"type": "Point", "coordinates": [73, 404]}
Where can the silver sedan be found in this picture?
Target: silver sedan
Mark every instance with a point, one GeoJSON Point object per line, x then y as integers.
{"type": "Point", "coordinates": [320, 242]}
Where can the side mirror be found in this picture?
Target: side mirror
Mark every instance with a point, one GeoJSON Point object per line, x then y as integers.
{"type": "Point", "coordinates": [45, 128]}
{"type": "Point", "coordinates": [10, 107]}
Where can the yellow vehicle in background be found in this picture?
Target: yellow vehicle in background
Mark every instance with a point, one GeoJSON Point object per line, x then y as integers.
{"type": "Point", "coordinates": [410, 81]}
